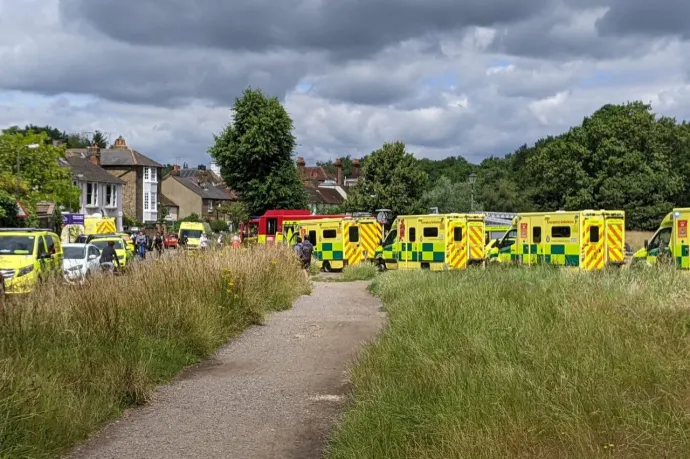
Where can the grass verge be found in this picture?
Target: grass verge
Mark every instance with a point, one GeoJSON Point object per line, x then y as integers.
{"type": "Point", "coordinates": [524, 364]}
{"type": "Point", "coordinates": [361, 271]}
{"type": "Point", "coordinates": [71, 358]}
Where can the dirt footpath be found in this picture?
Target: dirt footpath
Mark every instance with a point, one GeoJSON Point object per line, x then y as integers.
{"type": "Point", "coordinates": [273, 393]}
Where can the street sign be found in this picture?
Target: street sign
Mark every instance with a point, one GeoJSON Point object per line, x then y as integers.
{"type": "Point", "coordinates": [21, 211]}
{"type": "Point", "coordinates": [72, 219]}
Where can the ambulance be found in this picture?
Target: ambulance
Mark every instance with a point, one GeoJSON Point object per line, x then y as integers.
{"type": "Point", "coordinates": [589, 240]}
{"type": "Point", "coordinates": [436, 242]}
{"type": "Point", "coordinates": [338, 242]}
{"type": "Point", "coordinates": [670, 244]}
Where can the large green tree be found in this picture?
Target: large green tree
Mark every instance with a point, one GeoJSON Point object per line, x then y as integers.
{"type": "Point", "coordinates": [451, 196]}
{"type": "Point", "coordinates": [255, 154]}
{"type": "Point", "coordinates": [41, 177]}
{"type": "Point", "coordinates": [392, 180]}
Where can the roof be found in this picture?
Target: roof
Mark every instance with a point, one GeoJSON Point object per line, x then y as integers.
{"type": "Point", "coordinates": [166, 201]}
{"type": "Point", "coordinates": [89, 171]}
{"type": "Point", "coordinates": [313, 173]}
{"type": "Point", "coordinates": [118, 157]}
{"type": "Point", "coordinates": [194, 173]}
{"type": "Point", "coordinates": [209, 192]}
{"type": "Point", "coordinates": [324, 195]}
{"type": "Point", "coordinates": [45, 208]}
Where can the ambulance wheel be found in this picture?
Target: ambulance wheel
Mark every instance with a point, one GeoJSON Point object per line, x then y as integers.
{"type": "Point", "coordinates": [326, 267]}
{"type": "Point", "coordinates": [380, 265]}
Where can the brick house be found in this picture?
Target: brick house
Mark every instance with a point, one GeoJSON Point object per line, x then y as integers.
{"type": "Point", "coordinates": [140, 195]}
{"type": "Point", "coordinates": [197, 191]}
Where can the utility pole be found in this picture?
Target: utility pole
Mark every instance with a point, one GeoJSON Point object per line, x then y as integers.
{"type": "Point", "coordinates": [472, 179]}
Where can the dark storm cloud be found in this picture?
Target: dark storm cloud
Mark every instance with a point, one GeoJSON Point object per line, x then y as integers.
{"type": "Point", "coordinates": [647, 17]}
{"type": "Point", "coordinates": [345, 27]}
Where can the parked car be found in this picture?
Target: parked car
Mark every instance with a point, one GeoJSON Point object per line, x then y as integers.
{"type": "Point", "coordinates": [81, 260]}
{"type": "Point", "coordinates": [28, 255]}
{"type": "Point", "coordinates": [170, 241]}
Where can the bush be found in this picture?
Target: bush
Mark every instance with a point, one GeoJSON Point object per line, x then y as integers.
{"type": "Point", "coordinates": [218, 225]}
{"type": "Point", "coordinates": [71, 358]}
{"type": "Point", "coordinates": [524, 363]}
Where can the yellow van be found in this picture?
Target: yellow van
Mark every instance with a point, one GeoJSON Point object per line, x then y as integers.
{"type": "Point", "coordinates": [28, 255]}
{"type": "Point", "coordinates": [101, 241]}
{"type": "Point", "coordinates": [670, 244]}
{"type": "Point", "coordinates": [193, 232]}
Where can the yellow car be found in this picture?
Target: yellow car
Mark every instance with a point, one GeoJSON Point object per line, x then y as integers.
{"type": "Point", "coordinates": [101, 241]}
{"type": "Point", "coordinates": [129, 244]}
{"type": "Point", "coordinates": [28, 255]}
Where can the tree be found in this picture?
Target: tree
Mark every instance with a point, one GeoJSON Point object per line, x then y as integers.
{"type": "Point", "coordinates": [450, 196]}
{"type": "Point", "coordinates": [255, 152]}
{"type": "Point", "coordinates": [236, 212]}
{"type": "Point", "coordinates": [42, 177]}
{"type": "Point", "coordinates": [455, 168]}
{"type": "Point", "coordinates": [391, 180]}
{"type": "Point", "coordinates": [218, 225]}
{"type": "Point", "coordinates": [191, 218]}
{"type": "Point", "coordinates": [99, 139]}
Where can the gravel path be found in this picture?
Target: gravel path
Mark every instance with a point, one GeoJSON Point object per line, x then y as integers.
{"type": "Point", "coordinates": [273, 393]}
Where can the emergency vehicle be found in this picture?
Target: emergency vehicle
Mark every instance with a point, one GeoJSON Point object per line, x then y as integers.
{"type": "Point", "coordinates": [338, 242]}
{"type": "Point", "coordinates": [589, 240]}
{"type": "Point", "coordinates": [436, 242]}
{"type": "Point", "coordinates": [670, 244]}
{"type": "Point", "coordinates": [270, 224]}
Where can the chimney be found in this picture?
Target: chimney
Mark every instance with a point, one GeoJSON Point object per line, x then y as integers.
{"type": "Point", "coordinates": [300, 165]}
{"type": "Point", "coordinates": [355, 168]}
{"type": "Point", "coordinates": [120, 144]}
{"type": "Point", "coordinates": [339, 171]}
{"type": "Point", "coordinates": [94, 154]}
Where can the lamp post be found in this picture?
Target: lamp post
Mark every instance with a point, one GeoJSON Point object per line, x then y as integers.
{"type": "Point", "coordinates": [472, 179]}
{"type": "Point", "coordinates": [31, 146]}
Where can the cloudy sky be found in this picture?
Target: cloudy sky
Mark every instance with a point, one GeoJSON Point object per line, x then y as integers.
{"type": "Point", "coordinates": [448, 77]}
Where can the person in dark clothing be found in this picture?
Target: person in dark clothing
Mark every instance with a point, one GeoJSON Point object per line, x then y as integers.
{"type": "Point", "coordinates": [158, 243]}
{"type": "Point", "coordinates": [108, 257]}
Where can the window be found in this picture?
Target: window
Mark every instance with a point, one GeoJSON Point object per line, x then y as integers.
{"type": "Point", "coordinates": [272, 226]}
{"type": "Point", "coordinates": [509, 238]}
{"type": "Point", "coordinates": [210, 205]}
{"type": "Point", "coordinates": [93, 251]}
{"type": "Point", "coordinates": [146, 200]}
{"type": "Point", "coordinates": [329, 234]}
{"type": "Point", "coordinates": [41, 247]}
{"type": "Point", "coordinates": [146, 174]}
{"type": "Point", "coordinates": [431, 232]}
{"type": "Point", "coordinates": [111, 196]}
{"type": "Point", "coordinates": [354, 234]}
{"type": "Point", "coordinates": [593, 234]}
{"type": "Point", "coordinates": [92, 194]}
{"type": "Point", "coordinates": [390, 238]}
{"type": "Point", "coordinates": [457, 234]}
{"type": "Point", "coordinates": [153, 174]}
{"type": "Point", "coordinates": [54, 244]}
{"type": "Point", "coordinates": [312, 237]}
{"type": "Point", "coordinates": [412, 234]}
{"type": "Point", "coordinates": [660, 239]}
{"type": "Point", "coordinates": [154, 201]}
{"type": "Point", "coordinates": [560, 231]}
{"type": "Point", "coordinates": [536, 234]}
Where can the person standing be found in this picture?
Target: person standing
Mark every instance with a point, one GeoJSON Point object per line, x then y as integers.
{"type": "Point", "coordinates": [203, 241]}
{"type": "Point", "coordinates": [141, 245]}
{"type": "Point", "coordinates": [236, 241]}
{"type": "Point", "coordinates": [158, 243]}
{"type": "Point", "coordinates": [108, 257]}
{"type": "Point", "coordinates": [307, 250]}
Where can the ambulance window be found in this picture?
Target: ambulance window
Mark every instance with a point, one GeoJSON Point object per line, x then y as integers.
{"type": "Point", "coordinates": [271, 226]}
{"type": "Point", "coordinates": [593, 234]}
{"type": "Point", "coordinates": [312, 237]}
{"type": "Point", "coordinates": [536, 234]}
{"type": "Point", "coordinates": [354, 234]}
{"type": "Point", "coordinates": [431, 232]}
{"type": "Point", "coordinates": [560, 231]}
{"type": "Point", "coordinates": [457, 234]}
{"type": "Point", "coordinates": [391, 237]}
{"type": "Point", "coordinates": [412, 234]}
{"type": "Point", "coordinates": [329, 234]}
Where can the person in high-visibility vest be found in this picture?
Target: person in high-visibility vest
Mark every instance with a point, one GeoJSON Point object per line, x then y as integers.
{"type": "Point", "coordinates": [236, 241]}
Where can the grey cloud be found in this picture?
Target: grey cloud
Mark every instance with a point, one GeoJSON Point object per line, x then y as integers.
{"type": "Point", "coordinates": [347, 27]}
{"type": "Point", "coordinates": [647, 18]}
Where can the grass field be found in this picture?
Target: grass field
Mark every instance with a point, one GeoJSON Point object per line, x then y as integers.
{"type": "Point", "coordinates": [531, 363]}
{"type": "Point", "coordinates": [636, 238]}
{"type": "Point", "coordinates": [71, 358]}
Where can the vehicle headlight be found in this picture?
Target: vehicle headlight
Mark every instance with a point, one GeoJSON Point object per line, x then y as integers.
{"type": "Point", "coordinates": [25, 270]}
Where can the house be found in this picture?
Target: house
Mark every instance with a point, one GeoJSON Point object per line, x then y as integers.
{"type": "Point", "coordinates": [101, 192]}
{"type": "Point", "coordinates": [197, 191]}
{"type": "Point", "coordinates": [172, 210]}
{"type": "Point", "coordinates": [140, 175]}
{"type": "Point", "coordinates": [325, 193]}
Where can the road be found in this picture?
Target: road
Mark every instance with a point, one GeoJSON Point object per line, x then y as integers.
{"type": "Point", "coordinates": [275, 392]}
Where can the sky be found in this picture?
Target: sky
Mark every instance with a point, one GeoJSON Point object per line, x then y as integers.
{"type": "Point", "coordinates": [448, 77]}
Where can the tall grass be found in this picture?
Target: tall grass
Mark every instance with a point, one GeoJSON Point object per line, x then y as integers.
{"type": "Point", "coordinates": [524, 364]}
{"type": "Point", "coordinates": [361, 271]}
{"type": "Point", "coordinates": [71, 358]}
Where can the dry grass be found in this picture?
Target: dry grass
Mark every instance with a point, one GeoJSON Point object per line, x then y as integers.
{"type": "Point", "coordinates": [524, 363]}
{"type": "Point", "coordinates": [71, 358]}
{"type": "Point", "coordinates": [636, 238]}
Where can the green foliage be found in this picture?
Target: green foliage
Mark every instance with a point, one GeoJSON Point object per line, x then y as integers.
{"type": "Point", "coordinates": [456, 168]}
{"type": "Point", "coordinates": [254, 153]}
{"type": "Point", "coordinates": [236, 213]}
{"type": "Point", "coordinates": [99, 139]}
{"type": "Point", "coordinates": [191, 218]}
{"type": "Point", "coordinates": [42, 179]}
{"type": "Point", "coordinates": [451, 196]}
{"type": "Point", "coordinates": [129, 222]}
{"type": "Point", "coordinates": [218, 225]}
{"type": "Point", "coordinates": [8, 210]}
{"type": "Point", "coordinates": [392, 180]}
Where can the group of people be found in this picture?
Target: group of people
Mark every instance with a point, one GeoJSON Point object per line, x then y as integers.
{"type": "Point", "coordinates": [304, 250]}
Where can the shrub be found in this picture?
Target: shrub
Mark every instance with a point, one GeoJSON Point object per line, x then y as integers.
{"type": "Point", "coordinates": [73, 357]}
